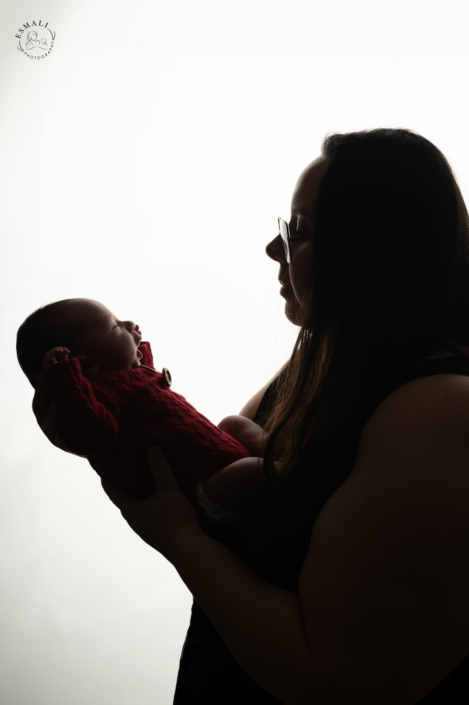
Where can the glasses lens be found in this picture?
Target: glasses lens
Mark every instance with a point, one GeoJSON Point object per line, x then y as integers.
{"type": "Point", "coordinates": [283, 227]}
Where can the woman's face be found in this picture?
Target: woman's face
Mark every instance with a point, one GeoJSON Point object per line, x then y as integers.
{"type": "Point", "coordinates": [296, 276]}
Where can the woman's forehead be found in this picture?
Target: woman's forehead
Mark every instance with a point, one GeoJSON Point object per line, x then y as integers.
{"type": "Point", "coordinates": [307, 187]}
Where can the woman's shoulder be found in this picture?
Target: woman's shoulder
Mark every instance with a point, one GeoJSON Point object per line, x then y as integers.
{"type": "Point", "coordinates": [438, 400]}
{"type": "Point", "coordinates": [448, 350]}
{"type": "Point", "coordinates": [396, 533]}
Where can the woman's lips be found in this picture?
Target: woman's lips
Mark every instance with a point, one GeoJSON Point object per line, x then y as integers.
{"type": "Point", "coordinates": [285, 289]}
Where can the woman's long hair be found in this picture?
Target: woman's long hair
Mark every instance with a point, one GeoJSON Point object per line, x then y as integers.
{"type": "Point", "coordinates": [389, 284]}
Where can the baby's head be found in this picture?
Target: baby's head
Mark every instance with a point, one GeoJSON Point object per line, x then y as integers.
{"type": "Point", "coordinates": [87, 328]}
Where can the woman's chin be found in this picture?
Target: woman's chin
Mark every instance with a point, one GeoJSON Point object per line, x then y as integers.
{"type": "Point", "coordinates": [291, 312]}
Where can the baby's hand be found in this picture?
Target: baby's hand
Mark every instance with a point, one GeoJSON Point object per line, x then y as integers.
{"type": "Point", "coordinates": [248, 433]}
{"type": "Point", "coordinates": [54, 356]}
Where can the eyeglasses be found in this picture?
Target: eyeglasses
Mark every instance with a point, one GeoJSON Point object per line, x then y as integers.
{"type": "Point", "coordinates": [285, 233]}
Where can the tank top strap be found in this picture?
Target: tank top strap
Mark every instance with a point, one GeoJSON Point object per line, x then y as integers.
{"type": "Point", "coordinates": [437, 366]}
{"type": "Point", "coordinates": [425, 368]}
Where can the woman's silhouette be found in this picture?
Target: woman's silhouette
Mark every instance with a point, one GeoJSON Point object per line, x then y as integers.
{"type": "Point", "coordinates": [346, 578]}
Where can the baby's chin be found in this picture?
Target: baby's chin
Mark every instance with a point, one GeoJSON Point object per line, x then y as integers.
{"type": "Point", "coordinates": [139, 354]}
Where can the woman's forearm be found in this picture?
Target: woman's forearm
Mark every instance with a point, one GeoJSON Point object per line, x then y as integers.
{"type": "Point", "coordinates": [232, 487]}
{"type": "Point", "coordinates": [261, 624]}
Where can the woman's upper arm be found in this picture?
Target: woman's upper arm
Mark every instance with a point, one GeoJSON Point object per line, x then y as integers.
{"type": "Point", "coordinates": [383, 590]}
{"type": "Point", "coordinates": [249, 409]}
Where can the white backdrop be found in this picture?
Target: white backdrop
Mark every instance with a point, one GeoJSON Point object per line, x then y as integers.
{"type": "Point", "coordinates": [143, 163]}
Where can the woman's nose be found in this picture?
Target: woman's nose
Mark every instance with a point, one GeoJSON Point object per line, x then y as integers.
{"type": "Point", "coordinates": [276, 249]}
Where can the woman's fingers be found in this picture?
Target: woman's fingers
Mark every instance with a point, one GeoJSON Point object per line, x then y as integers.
{"type": "Point", "coordinates": [116, 495]}
{"type": "Point", "coordinates": [161, 471]}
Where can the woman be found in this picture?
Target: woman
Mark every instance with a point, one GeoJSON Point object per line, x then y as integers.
{"type": "Point", "coordinates": [346, 577]}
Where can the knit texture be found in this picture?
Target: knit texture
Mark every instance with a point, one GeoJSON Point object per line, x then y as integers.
{"type": "Point", "coordinates": [113, 419]}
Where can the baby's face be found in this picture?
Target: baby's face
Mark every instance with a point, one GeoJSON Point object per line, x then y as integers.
{"type": "Point", "coordinates": [107, 342]}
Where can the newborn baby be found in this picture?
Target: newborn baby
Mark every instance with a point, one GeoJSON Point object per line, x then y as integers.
{"type": "Point", "coordinates": [111, 406]}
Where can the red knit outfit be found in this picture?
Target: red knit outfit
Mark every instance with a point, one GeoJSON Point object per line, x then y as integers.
{"type": "Point", "coordinates": [114, 418]}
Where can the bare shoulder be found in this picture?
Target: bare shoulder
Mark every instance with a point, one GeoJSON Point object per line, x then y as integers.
{"type": "Point", "coordinates": [436, 407]}
{"type": "Point", "coordinates": [384, 586]}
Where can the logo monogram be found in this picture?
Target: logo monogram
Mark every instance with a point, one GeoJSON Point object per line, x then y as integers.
{"type": "Point", "coordinates": [36, 39]}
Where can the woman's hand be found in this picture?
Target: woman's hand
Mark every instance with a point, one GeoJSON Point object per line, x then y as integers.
{"type": "Point", "coordinates": [164, 519]}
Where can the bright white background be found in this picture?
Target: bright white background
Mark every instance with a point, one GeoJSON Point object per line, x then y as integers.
{"type": "Point", "coordinates": [143, 163]}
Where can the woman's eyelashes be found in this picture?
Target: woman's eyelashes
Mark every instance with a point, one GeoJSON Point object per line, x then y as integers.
{"type": "Point", "coordinates": [295, 229]}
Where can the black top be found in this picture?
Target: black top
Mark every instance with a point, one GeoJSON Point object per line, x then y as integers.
{"type": "Point", "coordinates": [208, 673]}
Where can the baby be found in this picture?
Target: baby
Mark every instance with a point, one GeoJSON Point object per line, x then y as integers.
{"type": "Point", "coordinates": [99, 396]}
